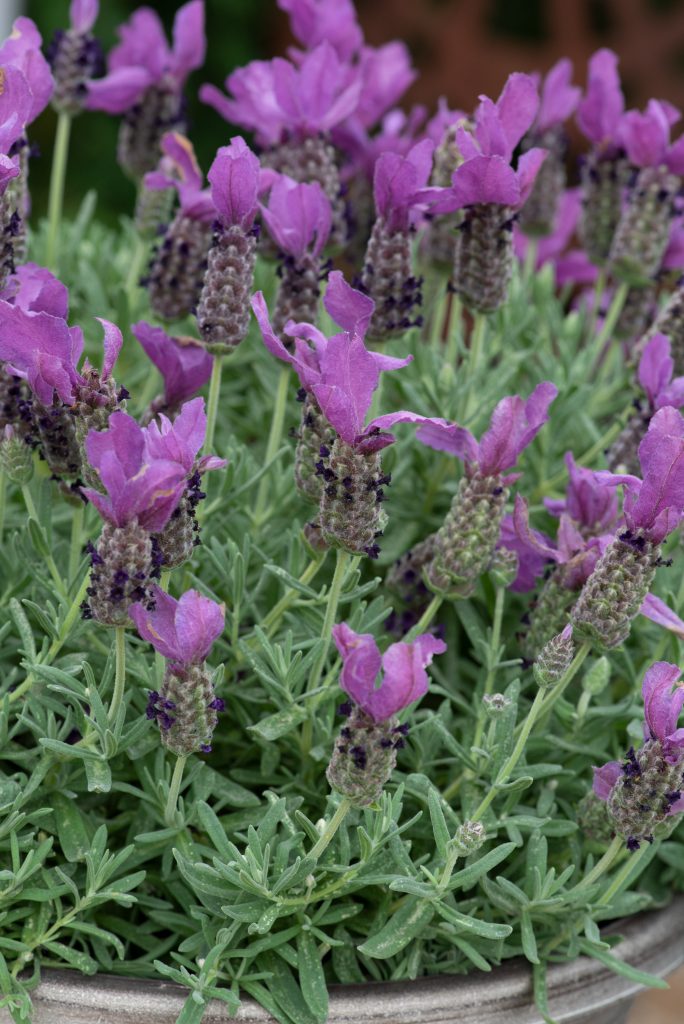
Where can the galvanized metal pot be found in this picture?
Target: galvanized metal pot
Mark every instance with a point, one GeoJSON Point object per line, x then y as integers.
{"type": "Point", "coordinates": [582, 992]}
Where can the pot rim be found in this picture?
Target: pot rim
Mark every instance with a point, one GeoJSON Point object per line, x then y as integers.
{"type": "Point", "coordinates": [652, 940]}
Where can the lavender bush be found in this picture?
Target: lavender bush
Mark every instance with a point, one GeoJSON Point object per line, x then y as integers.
{"type": "Point", "coordinates": [290, 695]}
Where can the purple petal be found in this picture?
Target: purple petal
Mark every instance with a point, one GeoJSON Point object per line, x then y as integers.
{"type": "Point", "coordinates": [35, 290]}
{"type": "Point", "coordinates": [517, 108]}
{"type": "Point", "coordinates": [124, 440]}
{"type": "Point", "coordinates": [361, 661]}
{"type": "Point", "coordinates": [404, 677]}
{"type": "Point", "coordinates": [119, 90]}
{"type": "Point", "coordinates": [83, 14]}
{"type": "Point", "coordinates": [16, 105]}
{"type": "Point", "coordinates": [485, 179]}
{"type": "Point", "coordinates": [158, 627]}
{"type": "Point", "coordinates": [22, 50]}
{"type": "Point", "coordinates": [313, 21]}
{"type": "Point", "coordinates": [590, 502]}
{"type": "Point", "coordinates": [559, 99]}
{"type": "Point", "coordinates": [234, 178]}
{"type": "Point", "coordinates": [43, 348]}
{"type": "Point", "coordinates": [189, 40]}
{"type": "Point", "coordinates": [646, 136]}
{"type": "Point", "coordinates": [153, 495]}
{"type": "Point", "coordinates": [181, 440]}
{"type": "Point", "coordinates": [599, 112]}
{"type": "Point", "coordinates": [528, 169]}
{"type": "Point", "coordinates": [398, 181]}
{"type": "Point", "coordinates": [349, 308]}
{"type": "Point", "coordinates": [660, 502]}
{"type": "Point", "coordinates": [385, 73]}
{"type": "Point", "coordinates": [449, 437]}
{"type": "Point", "coordinates": [143, 45]}
{"type": "Point", "coordinates": [661, 705]}
{"type": "Point", "coordinates": [199, 621]}
{"type": "Point", "coordinates": [184, 364]}
{"type": "Point", "coordinates": [113, 340]}
{"type": "Point", "coordinates": [513, 426]}
{"type": "Point", "coordinates": [531, 563]}
{"type": "Point", "coordinates": [605, 779]}
{"type": "Point", "coordinates": [657, 611]}
{"type": "Point", "coordinates": [655, 367]}
{"type": "Point", "coordinates": [349, 377]}
{"type": "Point", "coordinates": [528, 537]}
{"type": "Point", "coordinates": [298, 216]}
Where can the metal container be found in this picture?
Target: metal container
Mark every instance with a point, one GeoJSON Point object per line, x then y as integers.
{"type": "Point", "coordinates": [581, 992]}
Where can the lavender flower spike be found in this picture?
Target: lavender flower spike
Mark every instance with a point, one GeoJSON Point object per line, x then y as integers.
{"type": "Point", "coordinates": [605, 171]}
{"type": "Point", "coordinates": [183, 631]}
{"type": "Point", "coordinates": [76, 57]}
{"type": "Point", "coordinates": [145, 81]}
{"type": "Point", "coordinates": [644, 791]}
{"type": "Point", "coordinates": [466, 541]}
{"type": "Point", "coordinates": [176, 272]}
{"type": "Point", "coordinates": [184, 364]}
{"type": "Point", "coordinates": [399, 187]}
{"type": "Point", "coordinates": [365, 753]}
{"type": "Point", "coordinates": [140, 496]}
{"type": "Point", "coordinates": [643, 232]}
{"type": "Point", "coordinates": [558, 101]}
{"type": "Point", "coordinates": [653, 508]}
{"type": "Point", "coordinates": [299, 219]}
{"type": "Point", "coordinates": [223, 308]}
{"type": "Point", "coordinates": [655, 378]}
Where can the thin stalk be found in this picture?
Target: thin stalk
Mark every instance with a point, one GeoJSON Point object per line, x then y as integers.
{"type": "Point", "coordinates": [473, 361]}
{"type": "Point", "coordinates": [530, 261]}
{"type": "Point", "coordinates": [159, 659]}
{"type": "Point", "coordinates": [425, 619]}
{"type": "Point", "coordinates": [623, 875]}
{"type": "Point", "coordinates": [49, 560]}
{"type": "Point", "coordinates": [454, 330]}
{"type": "Point", "coordinates": [491, 668]}
{"type": "Point", "coordinates": [343, 559]}
{"type": "Point", "coordinates": [134, 269]}
{"type": "Point", "coordinates": [596, 304]}
{"type": "Point", "coordinates": [75, 544]}
{"type": "Point", "coordinates": [271, 620]}
{"type": "Point", "coordinates": [59, 641]}
{"type": "Point", "coordinates": [274, 439]}
{"type": "Point", "coordinates": [3, 502]}
{"type": "Point", "coordinates": [601, 866]}
{"type": "Point", "coordinates": [212, 403]}
{"type": "Point", "coordinates": [119, 674]}
{"type": "Point", "coordinates": [331, 828]}
{"type": "Point", "coordinates": [60, 156]}
{"type": "Point", "coordinates": [514, 757]}
{"type": "Point", "coordinates": [606, 332]}
{"type": "Point", "coordinates": [174, 790]}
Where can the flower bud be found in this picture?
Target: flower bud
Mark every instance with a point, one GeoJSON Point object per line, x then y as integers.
{"type": "Point", "coordinates": [538, 215]}
{"type": "Point", "coordinates": [351, 513]}
{"type": "Point", "coordinates": [643, 796]}
{"type": "Point", "coordinates": [298, 292]}
{"type": "Point", "coordinates": [484, 256]}
{"type": "Point", "coordinates": [223, 309]}
{"type": "Point", "coordinates": [554, 659]}
{"type": "Point", "coordinates": [122, 566]}
{"type": "Point", "coordinates": [603, 182]}
{"type": "Point", "coordinates": [466, 541]}
{"type": "Point", "coordinates": [59, 445]}
{"type": "Point", "coordinates": [315, 438]}
{"type": "Point", "coordinates": [153, 209]}
{"type": "Point", "coordinates": [548, 613]}
{"type": "Point", "coordinates": [308, 160]}
{"type": "Point", "coordinates": [440, 239]}
{"type": "Point", "coordinates": [614, 592]}
{"type": "Point", "coordinates": [636, 313]}
{"type": "Point", "coordinates": [644, 228]}
{"type": "Point", "coordinates": [388, 278]}
{"type": "Point", "coordinates": [16, 459]}
{"type": "Point", "coordinates": [186, 709]}
{"type": "Point", "coordinates": [365, 757]}
{"type": "Point", "coordinates": [176, 273]}
{"type": "Point", "coordinates": [593, 818]}
{"type": "Point", "coordinates": [503, 567]}
{"type": "Point", "coordinates": [75, 57]}
{"type": "Point", "coordinates": [495, 704]}
{"type": "Point", "coordinates": [469, 837]}
{"type": "Point", "coordinates": [158, 111]}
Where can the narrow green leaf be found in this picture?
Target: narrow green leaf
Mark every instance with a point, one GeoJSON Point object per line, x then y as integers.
{"type": "Point", "coordinates": [439, 825]}
{"type": "Point", "coordinates": [279, 724]}
{"type": "Point", "coordinates": [620, 967]}
{"type": "Point", "coordinates": [487, 929]}
{"type": "Point", "coordinates": [529, 943]}
{"type": "Point", "coordinates": [312, 976]}
{"type": "Point", "coordinates": [74, 830]}
{"type": "Point", "coordinates": [98, 776]}
{"type": "Point", "coordinates": [408, 923]}
{"type": "Point", "coordinates": [467, 877]}
{"type": "Point", "coordinates": [74, 957]}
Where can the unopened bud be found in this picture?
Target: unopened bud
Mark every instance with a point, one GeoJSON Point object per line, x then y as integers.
{"type": "Point", "coordinates": [495, 704]}
{"type": "Point", "coordinates": [469, 837]}
{"type": "Point", "coordinates": [596, 679]}
{"type": "Point", "coordinates": [16, 460]}
{"type": "Point", "coordinates": [503, 567]}
{"type": "Point", "coordinates": [554, 659]}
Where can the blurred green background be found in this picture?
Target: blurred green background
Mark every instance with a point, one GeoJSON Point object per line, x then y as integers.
{"type": "Point", "coordinates": [238, 31]}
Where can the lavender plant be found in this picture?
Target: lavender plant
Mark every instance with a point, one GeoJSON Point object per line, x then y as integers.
{"type": "Point", "coordinates": [392, 724]}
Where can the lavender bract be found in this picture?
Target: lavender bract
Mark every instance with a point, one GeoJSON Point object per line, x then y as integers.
{"type": "Point", "coordinates": [184, 364]}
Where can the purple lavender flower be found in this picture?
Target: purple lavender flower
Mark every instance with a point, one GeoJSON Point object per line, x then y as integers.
{"type": "Point", "coordinates": [643, 231]}
{"type": "Point", "coordinates": [399, 188]}
{"type": "Point", "coordinates": [76, 57]}
{"type": "Point", "coordinates": [403, 665]}
{"type": "Point", "coordinates": [137, 485]}
{"type": "Point", "coordinates": [590, 504]}
{"type": "Point", "coordinates": [644, 790]}
{"type": "Point", "coordinates": [223, 308]}
{"type": "Point", "coordinates": [176, 271]}
{"type": "Point", "coordinates": [490, 191]}
{"type": "Point", "coordinates": [657, 611]}
{"type": "Point", "coordinates": [605, 172]}
{"type": "Point", "coordinates": [384, 74]}
{"type": "Point", "coordinates": [184, 364]}
{"type": "Point", "coordinates": [36, 290]}
{"type": "Point", "coordinates": [558, 101]}
{"type": "Point", "coordinates": [181, 442]}
{"type": "Point", "coordinates": [43, 350]}
{"type": "Point", "coordinates": [146, 80]}
{"type": "Point", "coordinates": [22, 50]}
{"type": "Point", "coordinates": [466, 542]}
{"type": "Point", "coordinates": [299, 219]}
{"type": "Point", "coordinates": [317, 21]}
{"type": "Point", "coordinates": [183, 632]}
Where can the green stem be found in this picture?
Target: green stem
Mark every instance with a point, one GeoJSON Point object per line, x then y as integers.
{"type": "Point", "coordinates": [622, 875]}
{"type": "Point", "coordinates": [60, 156]}
{"type": "Point", "coordinates": [273, 444]}
{"type": "Point", "coordinates": [59, 641]}
{"type": "Point", "coordinates": [3, 502]}
{"type": "Point", "coordinates": [331, 828]}
{"type": "Point", "coordinates": [135, 269]}
{"type": "Point", "coordinates": [608, 325]}
{"type": "Point", "coordinates": [602, 865]}
{"type": "Point", "coordinates": [455, 330]}
{"type": "Point", "coordinates": [425, 619]}
{"type": "Point", "coordinates": [119, 675]}
{"type": "Point", "coordinates": [343, 559]}
{"type": "Point", "coordinates": [75, 545]}
{"type": "Point", "coordinates": [159, 659]}
{"type": "Point", "coordinates": [174, 790]}
{"type": "Point", "coordinates": [514, 757]}
{"type": "Point", "coordinates": [530, 260]}
{"type": "Point", "coordinates": [271, 620]}
{"type": "Point", "coordinates": [212, 403]}
{"type": "Point", "coordinates": [491, 668]}
{"type": "Point", "coordinates": [596, 304]}
{"type": "Point", "coordinates": [49, 560]}
{"type": "Point", "coordinates": [473, 361]}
